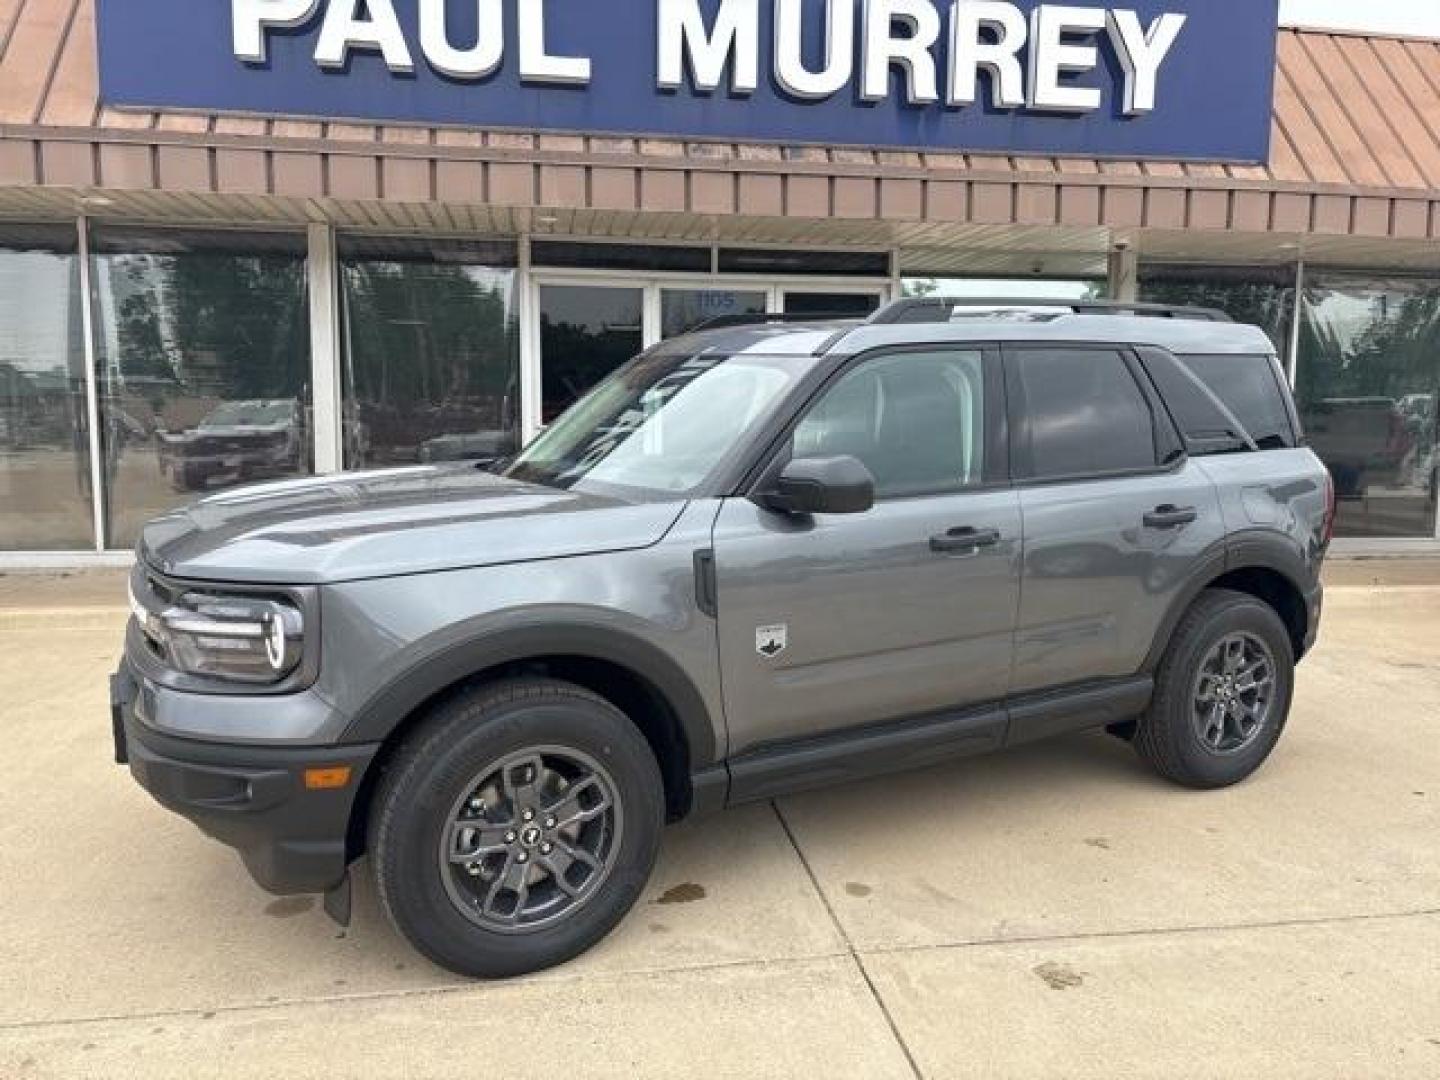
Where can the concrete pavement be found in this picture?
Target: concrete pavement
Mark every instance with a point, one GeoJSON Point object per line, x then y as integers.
{"type": "Point", "coordinates": [1055, 911]}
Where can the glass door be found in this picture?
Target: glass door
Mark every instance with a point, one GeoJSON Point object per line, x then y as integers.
{"type": "Point", "coordinates": [686, 309]}
{"type": "Point", "coordinates": [586, 332]}
{"type": "Point", "coordinates": [831, 302]}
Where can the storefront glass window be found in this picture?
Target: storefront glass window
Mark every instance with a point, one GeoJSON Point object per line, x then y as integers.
{"type": "Point", "coordinates": [586, 332]}
{"type": "Point", "coordinates": [1005, 288]}
{"type": "Point", "coordinates": [44, 434]}
{"type": "Point", "coordinates": [1369, 383]}
{"type": "Point", "coordinates": [1263, 297]}
{"type": "Point", "coordinates": [432, 351]}
{"type": "Point", "coordinates": [830, 304]}
{"type": "Point", "coordinates": [204, 366]}
{"type": "Point", "coordinates": [682, 310]}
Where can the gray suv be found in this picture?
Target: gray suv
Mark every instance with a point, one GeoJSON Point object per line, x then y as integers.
{"type": "Point", "coordinates": [756, 559]}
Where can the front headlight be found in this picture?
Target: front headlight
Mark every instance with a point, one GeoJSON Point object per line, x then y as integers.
{"type": "Point", "coordinates": [240, 638]}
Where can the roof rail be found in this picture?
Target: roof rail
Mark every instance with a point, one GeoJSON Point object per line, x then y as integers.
{"type": "Point", "coordinates": [933, 309]}
{"type": "Point", "coordinates": [761, 318]}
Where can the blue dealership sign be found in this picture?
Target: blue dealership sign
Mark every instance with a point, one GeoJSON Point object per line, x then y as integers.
{"type": "Point", "coordinates": [1174, 79]}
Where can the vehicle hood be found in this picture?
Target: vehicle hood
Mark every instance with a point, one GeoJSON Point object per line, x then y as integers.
{"type": "Point", "coordinates": [353, 526]}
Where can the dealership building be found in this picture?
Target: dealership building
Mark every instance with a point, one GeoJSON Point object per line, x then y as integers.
{"type": "Point", "coordinates": [267, 238]}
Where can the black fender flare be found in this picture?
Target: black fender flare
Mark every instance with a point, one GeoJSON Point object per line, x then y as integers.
{"type": "Point", "coordinates": [456, 661]}
{"type": "Point", "coordinates": [1255, 549]}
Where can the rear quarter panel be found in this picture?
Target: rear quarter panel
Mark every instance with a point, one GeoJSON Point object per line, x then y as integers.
{"type": "Point", "coordinates": [1274, 505]}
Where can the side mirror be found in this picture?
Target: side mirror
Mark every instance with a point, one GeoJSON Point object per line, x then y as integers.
{"type": "Point", "coordinates": [822, 485]}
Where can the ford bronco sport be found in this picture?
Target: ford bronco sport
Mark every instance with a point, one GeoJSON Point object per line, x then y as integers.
{"type": "Point", "coordinates": [756, 559]}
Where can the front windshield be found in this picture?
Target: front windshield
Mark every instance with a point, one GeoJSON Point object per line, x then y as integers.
{"type": "Point", "coordinates": [662, 423]}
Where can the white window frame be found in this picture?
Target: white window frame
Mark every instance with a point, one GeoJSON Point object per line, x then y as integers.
{"type": "Point", "coordinates": [651, 285]}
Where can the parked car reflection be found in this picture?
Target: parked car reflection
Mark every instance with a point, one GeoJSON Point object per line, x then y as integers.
{"type": "Point", "coordinates": [1364, 441]}
{"type": "Point", "coordinates": [239, 441]}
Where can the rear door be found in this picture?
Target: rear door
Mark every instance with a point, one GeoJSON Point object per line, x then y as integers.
{"type": "Point", "coordinates": [839, 621]}
{"type": "Point", "coordinates": [1116, 517]}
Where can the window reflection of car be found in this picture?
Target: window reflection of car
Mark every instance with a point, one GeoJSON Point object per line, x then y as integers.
{"type": "Point", "coordinates": [239, 440]}
{"type": "Point", "coordinates": [1364, 441]}
{"type": "Point", "coordinates": [470, 446]}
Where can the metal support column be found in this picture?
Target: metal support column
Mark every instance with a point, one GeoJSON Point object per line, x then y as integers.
{"type": "Point", "coordinates": [326, 379]}
{"type": "Point", "coordinates": [1292, 361]}
{"type": "Point", "coordinates": [92, 387]}
{"type": "Point", "coordinates": [1124, 272]}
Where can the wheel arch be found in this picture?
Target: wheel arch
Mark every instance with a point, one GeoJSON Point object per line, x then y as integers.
{"type": "Point", "coordinates": [633, 675]}
{"type": "Point", "coordinates": [1269, 569]}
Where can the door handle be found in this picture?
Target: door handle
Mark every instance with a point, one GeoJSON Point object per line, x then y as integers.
{"type": "Point", "coordinates": [964, 539]}
{"type": "Point", "coordinates": [1170, 517]}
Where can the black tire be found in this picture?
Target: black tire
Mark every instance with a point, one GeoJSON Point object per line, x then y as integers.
{"type": "Point", "coordinates": [436, 767]}
{"type": "Point", "coordinates": [187, 478]}
{"type": "Point", "coordinates": [1167, 737]}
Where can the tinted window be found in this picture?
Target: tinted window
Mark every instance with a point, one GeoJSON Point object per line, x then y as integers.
{"type": "Point", "coordinates": [801, 260]}
{"type": "Point", "coordinates": [586, 332]}
{"type": "Point", "coordinates": [830, 304]}
{"type": "Point", "coordinates": [1086, 414]}
{"type": "Point", "coordinates": [45, 473]}
{"type": "Point", "coordinates": [1369, 394]}
{"type": "Point", "coordinates": [1250, 389]}
{"type": "Point", "coordinates": [1206, 428]}
{"type": "Point", "coordinates": [917, 421]}
{"type": "Point", "coordinates": [203, 347]}
{"type": "Point", "coordinates": [1260, 296]}
{"type": "Point", "coordinates": [432, 352]}
{"type": "Point", "coordinates": [647, 257]}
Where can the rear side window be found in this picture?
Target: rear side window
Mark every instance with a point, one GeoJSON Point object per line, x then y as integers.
{"type": "Point", "coordinates": [1251, 389]}
{"type": "Point", "coordinates": [1084, 412]}
{"type": "Point", "coordinates": [1203, 424]}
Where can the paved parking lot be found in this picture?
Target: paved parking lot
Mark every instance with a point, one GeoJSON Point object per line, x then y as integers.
{"type": "Point", "coordinates": [1052, 912]}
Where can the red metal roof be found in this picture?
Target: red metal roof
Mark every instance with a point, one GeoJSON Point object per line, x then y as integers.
{"type": "Point", "coordinates": [1356, 149]}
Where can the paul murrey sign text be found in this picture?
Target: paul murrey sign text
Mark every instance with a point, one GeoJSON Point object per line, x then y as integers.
{"type": "Point", "coordinates": [942, 56]}
{"type": "Point", "coordinates": [1171, 79]}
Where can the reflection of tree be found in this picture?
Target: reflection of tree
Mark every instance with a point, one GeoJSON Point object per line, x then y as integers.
{"type": "Point", "coordinates": [142, 351]}
{"type": "Point", "coordinates": [227, 326]}
{"type": "Point", "coordinates": [1259, 303]}
{"type": "Point", "coordinates": [579, 355]}
{"type": "Point", "coordinates": [433, 350]}
{"type": "Point", "coordinates": [1013, 289]}
{"type": "Point", "coordinates": [1369, 388]}
{"type": "Point", "coordinates": [240, 324]}
{"type": "Point", "coordinates": [1395, 352]}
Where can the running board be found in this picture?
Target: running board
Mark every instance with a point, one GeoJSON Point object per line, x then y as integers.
{"type": "Point", "coordinates": [897, 746]}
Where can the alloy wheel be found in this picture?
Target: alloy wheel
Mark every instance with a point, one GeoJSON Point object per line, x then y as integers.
{"type": "Point", "coordinates": [1234, 693]}
{"type": "Point", "coordinates": [531, 839]}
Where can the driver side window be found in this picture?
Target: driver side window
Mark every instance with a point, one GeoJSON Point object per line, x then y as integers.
{"type": "Point", "coordinates": [916, 420]}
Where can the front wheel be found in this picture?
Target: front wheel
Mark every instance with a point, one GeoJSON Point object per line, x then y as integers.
{"type": "Point", "coordinates": [1222, 694]}
{"type": "Point", "coordinates": [516, 828]}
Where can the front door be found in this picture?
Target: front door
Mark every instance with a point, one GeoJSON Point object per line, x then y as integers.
{"type": "Point", "coordinates": [839, 621]}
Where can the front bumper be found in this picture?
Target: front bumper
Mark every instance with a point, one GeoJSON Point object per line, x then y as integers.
{"type": "Point", "coordinates": [292, 838]}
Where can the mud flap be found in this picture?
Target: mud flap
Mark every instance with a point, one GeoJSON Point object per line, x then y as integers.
{"type": "Point", "coordinates": [337, 902]}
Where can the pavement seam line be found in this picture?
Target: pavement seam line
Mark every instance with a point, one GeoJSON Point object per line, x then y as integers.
{"type": "Point", "coordinates": [850, 945]}
{"type": "Point", "coordinates": [417, 992]}
{"type": "Point", "coordinates": [1157, 931]}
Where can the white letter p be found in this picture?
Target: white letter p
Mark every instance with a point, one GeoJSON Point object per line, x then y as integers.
{"type": "Point", "coordinates": [254, 17]}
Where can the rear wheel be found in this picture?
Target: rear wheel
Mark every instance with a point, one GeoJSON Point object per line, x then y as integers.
{"type": "Point", "coordinates": [1222, 693]}
{"type": "Point", "coordinates": [516, 828]}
